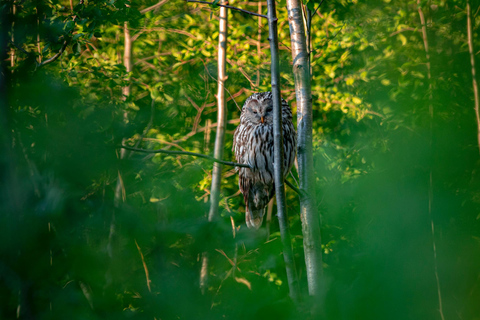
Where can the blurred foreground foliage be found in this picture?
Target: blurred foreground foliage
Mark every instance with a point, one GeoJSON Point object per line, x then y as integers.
{"type": "Point", "coordinates": [69, 249]}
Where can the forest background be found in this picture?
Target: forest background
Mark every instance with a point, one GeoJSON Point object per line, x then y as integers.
{"type": "Point", "coordinates": [90, 232]}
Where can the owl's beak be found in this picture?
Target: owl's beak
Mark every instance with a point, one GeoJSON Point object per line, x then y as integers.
{"type": "Point", "coordinates": [262, 119]}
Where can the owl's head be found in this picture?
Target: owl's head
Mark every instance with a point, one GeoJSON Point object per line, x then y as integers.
{"type": "Point", "coordinates": [258, 109]}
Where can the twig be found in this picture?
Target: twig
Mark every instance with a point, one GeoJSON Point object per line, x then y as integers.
{"type": "Point", "coordinates": [147, 276]}
{"type": "Point", "coordinates": [230, 7]}
{"type": "Point", "coordinates": [288, 183]}
{"type": "Point", "coordinates": [149, 125]}
{"type": "Point", "coordinates": [208, 72]}
{"type": "Point", "coordinates": [193, 154]}
{"type": "Point", "coordinates": [19, 48]}
{"type": "Point", "coordinates": [314, 12]}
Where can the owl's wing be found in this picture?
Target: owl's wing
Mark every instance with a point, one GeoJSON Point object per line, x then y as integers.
{"type": "Point", "coordinates": [239, 144]}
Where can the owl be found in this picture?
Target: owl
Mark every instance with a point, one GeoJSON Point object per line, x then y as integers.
{"type": "Point", "coordinates": [253, 145]}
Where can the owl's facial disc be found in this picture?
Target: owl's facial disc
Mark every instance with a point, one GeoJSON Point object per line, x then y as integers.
{"type": "Point", "coordinates": [261, 112]}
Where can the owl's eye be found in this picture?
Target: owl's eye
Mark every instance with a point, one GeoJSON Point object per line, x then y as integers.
{"type": "Point", "coordinates": [254, 111]}
{"type": "Point", "coordinates": [269, 109]}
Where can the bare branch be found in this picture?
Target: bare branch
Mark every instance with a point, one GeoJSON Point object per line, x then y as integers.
{"type": "Point", "coordinates": [55, 57]}
{"type": "Point", "coordinates": [19, 48]}
{"type": "Point", "coordinates": [298, 191]}
{"type": "Point", "coordinates": [230, 7]}
{"type": "Point", "coordinates": [193, 154]}
{"type": "Point", "coordinates": [147, 276]}
{"type": "Point", "coordinates": [314, 12]}
{"type": "Point", "coordinates": [155, 6]}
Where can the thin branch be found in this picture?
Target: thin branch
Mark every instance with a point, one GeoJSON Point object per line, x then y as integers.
{"type": "Point", "coordinates": [165, 142]}
{"type": "Point", "coordinates": [314, 12]}
{"type": "Point", "coordinates": [298, 191]}
{"type": "Point", "coordinates": [147, 276]}
{"type": "Point", "coordinates": [208, 72]}
{"type": "Point", "coordinates": [328, 40]}
{"type": "Point", "coordinates": [55, 57]}
{"type": "Point", "coordinates": [193, 154]}
{"type": "Point", "coordinates": [155, 6]}
{"type": "Point", "coordinates": [404, 29]}
{"type": "Point", "coordinates": [19, 48]}
{"type": "Point", "coordinates": [230, 7]}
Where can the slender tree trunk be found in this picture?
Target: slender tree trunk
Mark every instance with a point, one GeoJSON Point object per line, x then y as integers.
{"type": "Point", "coordinates": [474, 73]}
{"type": "Point", "coordinates": [278, 155]}
{"type": "Point", "coordinates": [12, 50]}
{"type": "Point", "coordinates": [259, 43]}
{"type": "Point", "coordinates": [120, 194]}
{"type": "Point", "coordinates": [430, 178]}
{"type": "Point", "coordinates": [308, 209]}
{"type": "Point", "coordinates": [127, 62]}
{"type": "Point", "coordinates": [127, 57]}
{"type": "Point", "coordinates": [309, 39]}
{"type": "Point", "coordinates": [221, 115]}
{"type": "Point", "coordinates": [220, 136]}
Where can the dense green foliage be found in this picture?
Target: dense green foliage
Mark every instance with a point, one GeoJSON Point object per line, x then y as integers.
{"type": "Point", "coordinates": [395, 153]}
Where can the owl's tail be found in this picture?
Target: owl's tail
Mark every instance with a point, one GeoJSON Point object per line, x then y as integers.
{"type": "Point", "coordinates": [254, 218]}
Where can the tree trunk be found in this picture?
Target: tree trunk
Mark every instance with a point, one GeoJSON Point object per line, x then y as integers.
{"type": "Point", "coordinates": [12, 38]}
{"type": "Point", "coordinates": [120, 193]}
{"type": "Point", "coordinates": [472, 63]}
{"type": "Point", "coordinates": [127, 62]}
{"type": "Point", "coordinates": [221, 115]}
{"type": "Point", "coordinates": [220, 136]}
{"type": "Point", "coordinates": [278, 155]}
{"type": "Point", "coordinates": [308, 209]}
{"type": "Point", "coordinates": [430, 178]}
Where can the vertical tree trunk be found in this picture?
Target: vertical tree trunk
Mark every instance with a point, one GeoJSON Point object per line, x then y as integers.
{"type": "Point", "coordinates": [308, 209]}
{"type": "Point", "coordinates": [12, 38]}
{"type": "Point", "coordinates": [127, 62]}
{"type": "Point", "coordinates": [220, 136]}
{"type": "Point", "coordinates": [221, 115]}
{"type": "Point", "coordinates": [430, 178]}
{"type": "Point", "coordinates": [5, 128]}
{"type": "Point", "coordinates": [474, 73]}
{"type": "Point", "coordinates": [259, 42]}
{"type": "Point", "coordinates": [120, 193]}
{"type": "Point", "coordinates": [278, 155]}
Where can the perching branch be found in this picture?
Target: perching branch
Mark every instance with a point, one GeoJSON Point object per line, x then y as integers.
{"type": "Point", "coordinates": [193, 154]}
{"type": "Point", "coordinates": [230, 7]}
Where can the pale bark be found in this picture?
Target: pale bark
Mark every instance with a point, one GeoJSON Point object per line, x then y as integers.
{"type": "Point", "coordinates": [278, 155]}
{"type": "Point", "coordinates": [220, 135]}
{"type": "Point", "coordinates": [259, 43]}
{"type": "Point", "coordinates": [430, 179]}
{"type": "Point", "coordinates": [474, 73]}
{"type": "Point", "coordinates": [120, 193]}
{"type": "Point", "coordinates": [221, 115]}
{"type": "Point", "coordinates": [308, 209]}
{"type": "Point", "coordinates": [126, 90]}
{"type": "Point", "coordinates": [12, 38]}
